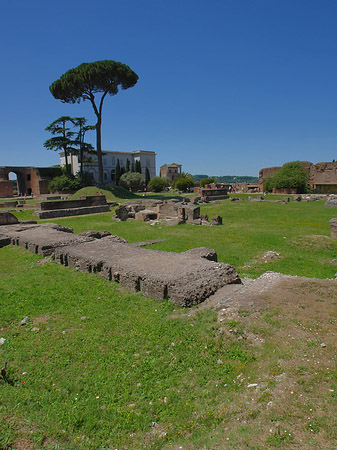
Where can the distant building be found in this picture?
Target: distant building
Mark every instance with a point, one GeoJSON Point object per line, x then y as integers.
{"type": "Point", "coordinates": [90, 163]}
{"type": "Point", "coordinates": [170, 171]}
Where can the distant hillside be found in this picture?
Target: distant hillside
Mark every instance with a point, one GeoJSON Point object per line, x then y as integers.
{"type": "Point", "coordinates": [228, 178]}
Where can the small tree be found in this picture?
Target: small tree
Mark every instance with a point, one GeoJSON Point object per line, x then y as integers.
{"type": "Point", "coordinates": [158, 184]}
{"type": "Point", "coordinates": [64, 183]}
{"type": "Point", "coordinates": [179, 176]}
{"type": "Point", "coordinates": [183, 184]}
{"type": "Point", "coordinates": [63, 138]}
{"type": "Point", "coordinates": [292, 175]}
{"type": "Point", "coordinates": [84, 146]}
{"type": "Point", "coordinates": [205, 181]}
{"type": "Point", "coordinates": [87, 80]}
{"type": "Point", "coordinates": [127, 165]}
{"type": "Point", "coordinates": [147, 176]}
{"type": "Point", "coordinates": [132, 181]}
{"type": "Point", "coordinates": [117, 172]}
{"type": "Point", "coordinates": [132, 167]}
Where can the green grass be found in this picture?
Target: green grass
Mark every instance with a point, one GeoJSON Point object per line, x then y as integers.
{"type": "Point", "coordinates": [139, 374]}
{"type": "Point", "coordinates": [97, 381]}
{"type": "Point", "coordinates": [249, 230]}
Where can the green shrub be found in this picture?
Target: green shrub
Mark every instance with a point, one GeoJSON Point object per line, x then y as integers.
{"type": "Point", "coordinates": [292, 175]}
{"type": "Point", "coordinates": [132, 180]}
{"type": "Point", "coordinates": [64, 183]}
{"type": "Point", "coordinates": [183, 184]}
{"type": "Point", "coordinates": [205, 181]}
{"type": "Point", "coordinates": [158, 184]}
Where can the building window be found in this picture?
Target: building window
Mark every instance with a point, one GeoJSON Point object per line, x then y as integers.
{"type": "Point", "coordinates": [28, 176]}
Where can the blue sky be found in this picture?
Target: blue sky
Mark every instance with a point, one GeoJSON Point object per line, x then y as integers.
{"type": "Point", "coordinates": [225, 87]}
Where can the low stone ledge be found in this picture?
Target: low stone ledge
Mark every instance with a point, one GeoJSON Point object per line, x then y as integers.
{"type": "Point", "coordinates": [331, 202]}
{"type": "Point", "coordinates": [185, 279]}
{"type": "Point", "coordinates": [72, 212]}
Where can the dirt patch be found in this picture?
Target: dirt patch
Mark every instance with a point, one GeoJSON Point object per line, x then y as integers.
{"type": "Point", "coordinates": [315, 241]}
{"type": "Point", "coordinates": [43, 319]}
{"type": "Point", "coordinates": [263, 258]}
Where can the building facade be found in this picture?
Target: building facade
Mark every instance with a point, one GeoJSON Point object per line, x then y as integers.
{"type": "Point", "coordinates": [170, 171]}
{"type": "Point", "coordinates": [90, 163]}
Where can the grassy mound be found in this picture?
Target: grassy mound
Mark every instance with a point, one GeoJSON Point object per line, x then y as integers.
{"type": "Point", "coordinates": [112, 193]}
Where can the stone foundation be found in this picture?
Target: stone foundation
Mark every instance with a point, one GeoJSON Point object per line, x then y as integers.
{"type": "Point", "coordinates": [184, 278]}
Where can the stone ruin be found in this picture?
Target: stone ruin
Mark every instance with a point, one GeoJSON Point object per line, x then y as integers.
{"type": "Point", "coordinates": [92, 204]}
{"type": "Point", "coordinates": [173, 212]}
{"type": "Point", "coordinates": [185, 278]}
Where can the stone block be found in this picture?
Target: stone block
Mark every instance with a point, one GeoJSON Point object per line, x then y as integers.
{"type": "Point", "coordinates": [203, 252]}
{"type": "Point", "coordinates": [146, 215]}
{"type": "Point", "coordinates": [332, 201]}
{"type": "Point", "coordinates": [192, 213]}
{"type": "Point", "coordinates": [333, 227]}
{"type": "Point", "coordinates": [174, 220]}
{"type": "Point", "coordinates": [216, 220]}
{"type": "Point", "coordinates": [167, 209]}
{"type": "Point", "coordinates": [122, 213]}
{"type": "Point", "coordinates": [7, 218]}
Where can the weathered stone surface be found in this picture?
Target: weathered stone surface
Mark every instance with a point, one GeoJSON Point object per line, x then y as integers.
{"type": "Point", "coordinates": [185, 279]}
{"type": "Point", "coordinates": [332, 201]}
{"type": "Point", "coordinates": [146, 215]}
{"type": "Point", "coordinates": [7, 218]}
{"type": "Point", "coordinates": [216, 220]}
{"type": "Point", "coordinates": [167, 209]}
{"type": "Point", "coordinates": [174, 220]}
{"type": "Point", "coordinates": [192, 213]}
{"type": "Point", "coordinates": [297, 198]}
{"type": "Point", "coordinates": [195, 200]}
{"type": "Point", "coordinates": [122, 213]}
{"type": "Point", "coordinates": [9, 204]}
{"type": "Point", "coordinates": [95, 234]}
{"type": "Point", "coordinates": [203, 252]}
{"type": "Point", "coordinates": [72, 212]}
{"type": "Point", "coordinates": [43, 238]}
{"type": "Point", "coordinates": [333, 227]}
{"type": "Point", "coordinates": [90, 200]}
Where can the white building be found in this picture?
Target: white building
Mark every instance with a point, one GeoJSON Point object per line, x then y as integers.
{"type": "Point", "coordinates": [90, 164]}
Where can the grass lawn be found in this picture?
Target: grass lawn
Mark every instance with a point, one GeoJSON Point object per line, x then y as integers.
{"type": "Point", "coordinates": [98, 368]}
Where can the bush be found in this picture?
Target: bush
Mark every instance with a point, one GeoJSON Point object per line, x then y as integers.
{"type": "Point", "coordinates": [158, 184]}
{"type": "Point", "coordinates": [183, 184]}
{"type": "Point", "coordinates": [132, 180]}
{"type": "Point", "coordinates": [64, 183]}
{"type": "Point", "coordinates": [292, 175]}
{"type": "Point", "coordinates": [205, 181]}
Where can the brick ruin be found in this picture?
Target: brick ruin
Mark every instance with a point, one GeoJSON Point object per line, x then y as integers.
{"type": "Point", "coordinates": [322, 176]}
{"type": "Point", "coordinates": [29, 181]}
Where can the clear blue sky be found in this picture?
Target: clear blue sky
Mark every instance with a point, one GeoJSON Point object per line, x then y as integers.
{"type": "Point", "coordinates": [225, 86]}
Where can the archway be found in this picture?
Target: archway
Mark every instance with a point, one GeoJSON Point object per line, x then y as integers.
{"type": "Point", "coordinates": [17, 178]}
